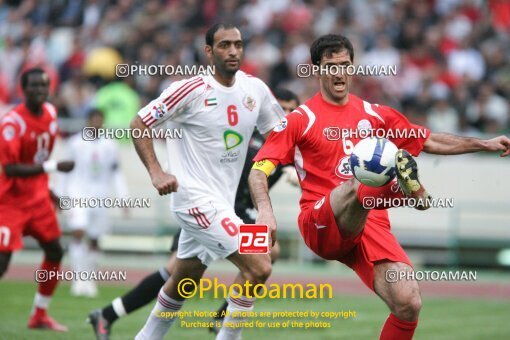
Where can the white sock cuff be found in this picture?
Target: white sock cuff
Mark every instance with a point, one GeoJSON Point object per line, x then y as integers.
{"type": "Point", "coordinates": [167, 302]}
{"type": "Point", "coordinates": [118, 307]}
{"type": "Point", "coordinates": [42, 301]}
{"type": "Point", "coordinates": [238, 301]}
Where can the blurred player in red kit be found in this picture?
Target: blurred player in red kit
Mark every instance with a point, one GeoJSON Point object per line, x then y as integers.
{"type": "Point", "coordinates": [333, 222]}
{"type": "Point", "coordinates": [27, 135]}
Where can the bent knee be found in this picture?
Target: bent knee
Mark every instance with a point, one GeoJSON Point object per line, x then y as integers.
{"type": "Point", "coordinates": [347, 188]}
{"type": "Point", "coordinates": [259, 273]}
{"type": "Point", "coordinates": [351, 184]}
{"type": "Point", "coordinates": [408, 308]}
{"type": "Point", "coordinates": [55, 253]}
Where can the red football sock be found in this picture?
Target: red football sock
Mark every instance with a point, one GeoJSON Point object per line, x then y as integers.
{"type": "Point", "coordinates": [47, 287]}
{"type": "Point", "coordinates": [380, 197]}
{"type": "Point", "coordinates": [396, 329]}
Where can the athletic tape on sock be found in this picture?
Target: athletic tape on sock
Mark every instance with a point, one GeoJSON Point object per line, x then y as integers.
{"type": "Point", "coordinates": [165, 275]}
{"type": "Point", "coordinates": [118, 307]}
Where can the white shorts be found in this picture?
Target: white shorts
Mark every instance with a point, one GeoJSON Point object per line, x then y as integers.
{"type": "Point", "coordinates": [209, 232]}
{"type": "Point", "coordinates": [94, 221]}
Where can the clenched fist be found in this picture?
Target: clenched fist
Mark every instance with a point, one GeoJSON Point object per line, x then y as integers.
{"type": "Point", "coordinates": [501, 143]}
{"type": "Point", "coordinates": [164, 183]}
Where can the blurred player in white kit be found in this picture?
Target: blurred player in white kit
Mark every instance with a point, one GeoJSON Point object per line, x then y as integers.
{"type": "Point", "coordinates": [96, 170]}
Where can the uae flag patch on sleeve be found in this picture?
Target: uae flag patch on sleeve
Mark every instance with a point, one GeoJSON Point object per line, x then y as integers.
{"type": "Point", "coordinates": [211, 102]}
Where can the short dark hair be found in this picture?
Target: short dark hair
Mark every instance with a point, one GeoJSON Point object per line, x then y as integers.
{"type": "Point", "coordinates": [28, 73]}
{"type": "Point", "coordinates": [209, 35]}
{"type": "Point", "coordinates": [285, 95]}
{"type": "Point", "coordinates": [328, 44]}
{"type": "Point", "coordinates": [95, 112]}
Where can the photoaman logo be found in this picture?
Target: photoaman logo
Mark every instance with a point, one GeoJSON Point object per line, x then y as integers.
{"type": "Point", "coordinates": [232, 139]}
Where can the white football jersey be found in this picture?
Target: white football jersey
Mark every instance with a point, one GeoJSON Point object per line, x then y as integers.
{"type": "Point", "coordinates": [96, 169]}
{"type": "Point", "coordinates": [216, 123]}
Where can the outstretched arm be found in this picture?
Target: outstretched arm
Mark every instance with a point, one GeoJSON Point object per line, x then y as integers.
{"type": "Point", "coordinates": [163, 182]}
{"type": "Point", "coordinates": [447, 144]}
{"type": "Point", "coordinates": [28, 170]}
{"type": "Point", "coordinates": [259, 191]}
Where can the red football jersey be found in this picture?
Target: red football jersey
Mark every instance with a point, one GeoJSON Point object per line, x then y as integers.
{"type": "Point", "coordinates": [309, 138]}
{"type": "Point", "coordinates": [26, 139]}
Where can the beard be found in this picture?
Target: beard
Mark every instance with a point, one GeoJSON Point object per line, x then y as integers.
{"type": "Point", "coordinates": [224, 69]}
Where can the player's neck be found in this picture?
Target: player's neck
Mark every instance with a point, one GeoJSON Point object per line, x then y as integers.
{"type": "Point", "coordinates": [331, 101]}
{"type": "Point", "coordinates": [225, 80]}
{"type": "Point", "coordinates": [34, 109]}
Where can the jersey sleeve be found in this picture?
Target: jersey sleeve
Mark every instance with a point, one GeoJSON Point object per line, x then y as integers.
{"type": "Point", "coordinates": [270, 111]}
{"type": "Point", "coordinates": [403, 133]}
{"type": "Point", "coordinates": [280, 143]}
{"type": "Point", "coordinates": [172, 102]}
{"type": "Point", "coordinates": [10, 141]}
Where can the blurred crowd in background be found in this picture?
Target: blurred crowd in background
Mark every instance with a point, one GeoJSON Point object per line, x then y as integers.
{"type": "Point", "coordinates": [452, 56]}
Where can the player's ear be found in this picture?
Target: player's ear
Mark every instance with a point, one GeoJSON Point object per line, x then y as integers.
{"type": "Point", "coordinates": [208, 51]}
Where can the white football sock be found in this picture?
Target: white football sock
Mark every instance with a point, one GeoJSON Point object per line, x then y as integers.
{"type": "Point", "coordinates": [93, 260]}
{"type": "Point", "coordinates": [41, 301]}
{"type": "Point", "coordinates": [92, 266]}
{"type": "Point", "coordinates": [231, 330]}
{"type": "Point", "coordinates": [157, 326]}
{"type": "Point", "coordinates": [78, 253]}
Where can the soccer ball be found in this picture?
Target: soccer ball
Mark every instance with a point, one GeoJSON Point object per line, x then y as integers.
{"type": "Point", "coordinates": [373, 161]}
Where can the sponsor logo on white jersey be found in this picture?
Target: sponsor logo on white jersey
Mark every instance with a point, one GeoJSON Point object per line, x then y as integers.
{"type": "Point", "coordinates": [232, 139]}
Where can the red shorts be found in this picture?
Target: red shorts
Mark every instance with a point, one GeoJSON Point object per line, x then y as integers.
{"type": "Point", "coordinates": [375, 243]}
{"type": "Point", "coordinates": [37, 220]}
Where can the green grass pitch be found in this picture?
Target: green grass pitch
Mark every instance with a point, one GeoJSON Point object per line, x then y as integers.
{"type": "Point", "coordinates": [440, 318]}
